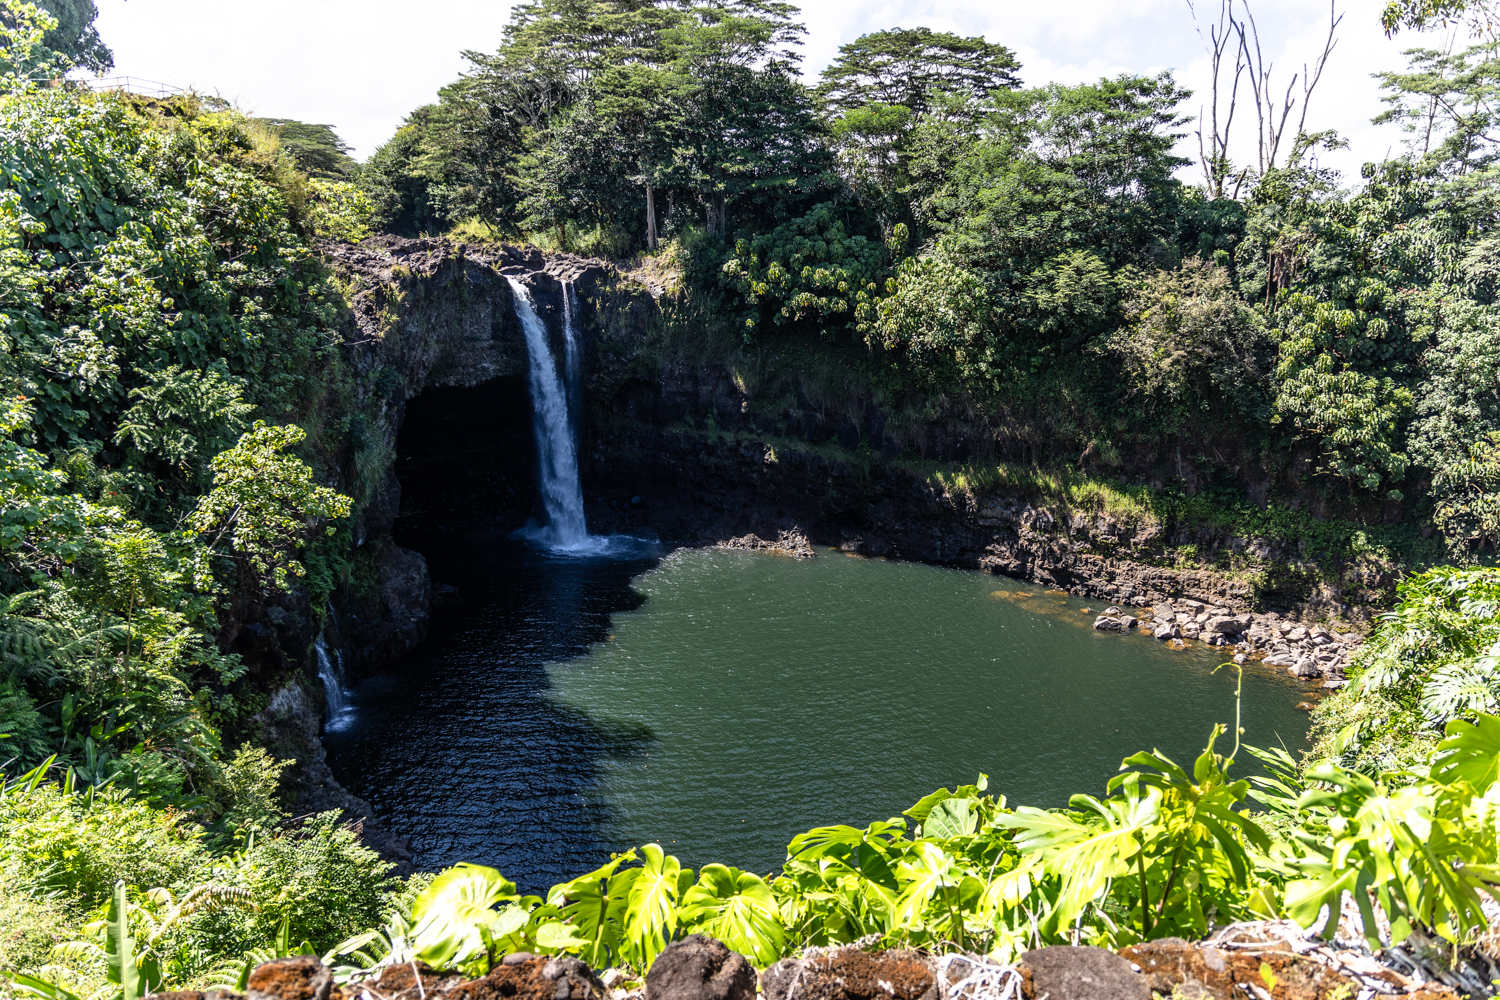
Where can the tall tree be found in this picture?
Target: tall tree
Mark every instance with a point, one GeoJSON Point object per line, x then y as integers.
{"type": "Point", "coordinates": [910, 67]}
{"type": "Point", "coordinates": [1448, 103]}
{"type": "Point", "coordinates": [76, 36]}
{"type": "Point", "coordinates": [1479, 15]}
{"type": "Point", "coordinates": [317, 149]}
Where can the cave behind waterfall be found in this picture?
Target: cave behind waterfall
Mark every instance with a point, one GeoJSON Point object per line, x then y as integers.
{"type": "Point", "coordinates": [466, 458]}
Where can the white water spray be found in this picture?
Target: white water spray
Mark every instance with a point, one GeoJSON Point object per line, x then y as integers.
{"type": "Point", "coordinates": [557, 453]}
{"type": "Point", "coordinates": [331, 672]}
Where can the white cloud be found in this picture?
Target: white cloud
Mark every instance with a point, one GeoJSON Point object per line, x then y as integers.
{"type": "Point", "coordinates": [362, 66]}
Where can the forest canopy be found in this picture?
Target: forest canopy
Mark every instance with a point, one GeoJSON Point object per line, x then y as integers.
{"type": "Point", "coordinates": [1014, 243]}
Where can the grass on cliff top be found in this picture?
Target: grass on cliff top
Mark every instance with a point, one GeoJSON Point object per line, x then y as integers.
{"type": "Point", "coordinates": [1075, 493]}
{"type": "Point", "coordinates": [1067, 491]}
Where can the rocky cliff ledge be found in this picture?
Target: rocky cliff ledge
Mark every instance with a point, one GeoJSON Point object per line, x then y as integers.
{"type": "Point", "coordinates": [704, 488]}
{"type": "Point", "coordinates": [1243, 960]}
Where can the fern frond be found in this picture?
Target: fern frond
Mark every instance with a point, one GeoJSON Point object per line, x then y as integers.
{"type": "Point", "coordinates": [76, 952]}
{"type": "Point", "coordinates": [213, 898]}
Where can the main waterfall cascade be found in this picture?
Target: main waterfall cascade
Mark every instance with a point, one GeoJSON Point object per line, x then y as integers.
{"type": "Point", "coordinates": [556, 402]}
{"type": "Point", "coordinates": [557, 451]}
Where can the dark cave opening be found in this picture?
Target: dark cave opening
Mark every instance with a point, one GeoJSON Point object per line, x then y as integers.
{"type": "Point", "coordinates": [466, 458]}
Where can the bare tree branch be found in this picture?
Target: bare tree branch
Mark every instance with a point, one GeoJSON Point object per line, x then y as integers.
{"type": "Point", "coordinates": [1272, 115]}
{"type": "Point", "coordinates": [1215, 159]}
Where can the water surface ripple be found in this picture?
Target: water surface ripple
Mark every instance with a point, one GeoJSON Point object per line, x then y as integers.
{"type": "Point", "coordinates": [727, 700]}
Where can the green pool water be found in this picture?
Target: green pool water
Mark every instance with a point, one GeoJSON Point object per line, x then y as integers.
{"type": "Point", "coordinates": [760, 695]}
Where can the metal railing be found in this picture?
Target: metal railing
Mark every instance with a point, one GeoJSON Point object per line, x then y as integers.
{"type": "Point", "coordinates": [126, 84]}
{"type": "Point", "coordinates": [134, 85]}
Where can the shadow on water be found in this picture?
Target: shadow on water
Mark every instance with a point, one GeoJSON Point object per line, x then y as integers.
{"type": "Point", "coordinates": [461, 747]}
{"type": "Point", "coordinates": [553, 715]}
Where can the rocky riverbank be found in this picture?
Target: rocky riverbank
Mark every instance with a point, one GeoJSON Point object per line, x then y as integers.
{"type": "Point", "coordinates": [1272, 959]}
{"type": "Point", "coordinates": [1307, 651]}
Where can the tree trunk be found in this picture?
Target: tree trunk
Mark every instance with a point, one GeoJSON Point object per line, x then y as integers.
{"type": "Point", "coordinates": [650, 218]}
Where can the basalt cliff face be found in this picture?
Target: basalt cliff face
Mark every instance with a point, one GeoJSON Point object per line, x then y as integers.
{"type": "Point", "coordinates": [687, 453]}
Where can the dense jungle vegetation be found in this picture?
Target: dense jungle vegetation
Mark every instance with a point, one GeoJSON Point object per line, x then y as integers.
{"type": "Point", "coordinates": [174, 401]}
{"type": "Point", "coordinates": [1025, 260]}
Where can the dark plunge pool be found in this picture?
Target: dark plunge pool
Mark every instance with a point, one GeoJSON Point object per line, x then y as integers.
{"type": "Point", "coordinates": [719, 702]}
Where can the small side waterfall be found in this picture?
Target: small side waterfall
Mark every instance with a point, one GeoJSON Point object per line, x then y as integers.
{"type": "Point", "coordinates": [557, 451]}
{"type": "Point", "coordinates": [331, 673]}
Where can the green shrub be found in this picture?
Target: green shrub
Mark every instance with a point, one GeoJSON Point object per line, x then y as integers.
{"type": "Point", "coordinates": [249, 793]}
{"type": "Point", "coordinates": [23, 731]}
{"type": "Point", "coordinates": [86, 842]}
{"type": "Point", "coordinates": [338, 211]}
{"type": "Point", "coordinates": [152, 777]}
{"type": "Point", "coordinates": [321, 877]}
{"type": "Point", "coordinates": [32, 922]}
{"type": "Point", "coordinates": [1433, 659]}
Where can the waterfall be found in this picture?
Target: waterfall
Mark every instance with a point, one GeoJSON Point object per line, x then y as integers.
{"type": "Point", "coordinates": [331, 672]}
{"type": "Point", "coordinates": [557, 452]}
{"type": "Point", "coordinates": [572, 360]}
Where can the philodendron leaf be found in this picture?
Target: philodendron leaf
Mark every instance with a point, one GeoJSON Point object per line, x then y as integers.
{"type": "Point", "coordinates": [454, 916]}
{"type": "Point", "coordinates": [1470, 753]}
{"type": "Point", "coordinates": [950, 818]}
{"type": "Point", "coordinates": [651, 914]}
{"type": "Point", "coordinates": [558, 936]}
{"type": "Point", "coordinates": [739, 909]}
{"type": "Point", "coordinates": [594, 904]}
{"type": "Point", "coordinates": [926, 803]}
{"type": "Point", "coordinates": [507, 922]}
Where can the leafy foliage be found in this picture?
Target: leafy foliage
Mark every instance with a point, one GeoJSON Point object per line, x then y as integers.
{"type": "Point", "coordinates": [30, 38]}
{"type": "Point", "coordinates": [88, 842]}
{"type": "Point", "coordinates": [1193, 345]}
{"type": "Point", "coordinates": [590, 113]}
{"type": "Point", "coordinates": [76, 38]}
{"type": "Point", "coordinates": [263, 501]}
{"type": "Point", "coordinates": [318, 877]}
{"type": "Point", "coordinates": [1167, 851]}
{"type": "Point", "coordinates": [1430, 661]}
{"type": "Point", "coordinates": [913, 67]}
{"type": "Point", "coordinates": [811, 266]}
{"type": "Point", "coordinates": [157, 293]}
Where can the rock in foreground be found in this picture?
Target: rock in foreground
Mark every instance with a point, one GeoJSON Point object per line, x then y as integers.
{"type": "Point", "coordinates": [1064, 973]}
{"type": "Point", "coordinates": [851, 974]}
{"type": "Point", "coordinates": [700, 968]}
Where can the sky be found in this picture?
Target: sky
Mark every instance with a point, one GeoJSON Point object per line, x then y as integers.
{"type": "Point", "coordinates": [362, 65]}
